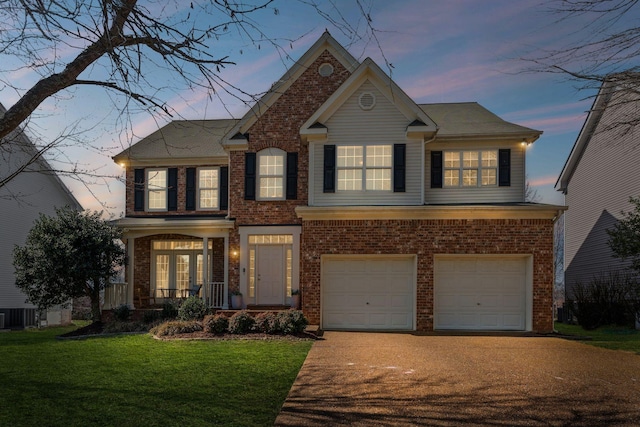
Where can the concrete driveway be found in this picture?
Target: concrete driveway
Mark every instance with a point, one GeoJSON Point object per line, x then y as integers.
{"type": "Point", "coordinates": [354, 378]}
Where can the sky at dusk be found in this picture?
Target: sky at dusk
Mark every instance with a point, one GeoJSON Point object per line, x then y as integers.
{"type": "Point", "coordinates": [441, 51]}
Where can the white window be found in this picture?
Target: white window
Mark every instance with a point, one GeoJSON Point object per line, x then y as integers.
{"type": "Point", "coordinates": [271, 167]}
{"type": "Point", "coordinates": [470, 168]}
{"type": "Point", "coordinates": [157, 189]}
{"type": "Point", "coordinates": [208, 188]}
{"type": "Point", "coordinates": [364, 167]}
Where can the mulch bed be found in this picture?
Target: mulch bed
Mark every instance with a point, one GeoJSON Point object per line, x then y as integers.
{"type": "Point", "coordinates": [97, 329]}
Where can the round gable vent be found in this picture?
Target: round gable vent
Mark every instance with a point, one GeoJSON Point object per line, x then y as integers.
{"type": "Point", "coordinates": [325, 70]}
{"type": "Point", "coordinates": [367, 100]}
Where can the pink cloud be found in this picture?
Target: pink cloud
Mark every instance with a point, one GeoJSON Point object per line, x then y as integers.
{"type": "Point", "coordinates": [543, 180]}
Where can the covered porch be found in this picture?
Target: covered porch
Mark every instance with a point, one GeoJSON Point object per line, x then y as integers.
{"type": "Point", "coordinates": [166, 261]}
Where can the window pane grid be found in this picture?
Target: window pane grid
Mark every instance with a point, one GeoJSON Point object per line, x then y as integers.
{"type": "Point", "coordinates": [273, 239]}
{"type": "Point", "coordinates": [365, 167]}
{"type": "Point", "coordinates": [470, 168]}
{"type": "Point", "coordinates": [271, 187]}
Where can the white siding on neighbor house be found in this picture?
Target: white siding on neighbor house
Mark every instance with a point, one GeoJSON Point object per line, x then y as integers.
{"type": "Point", "coordinates": [494, 194]}
{"type": "Point", "coordinates": [21, 202]}
{"type": "Point", "coordinates": [352, 125]}
{"type": "Point", "coordinates": [606, 175]}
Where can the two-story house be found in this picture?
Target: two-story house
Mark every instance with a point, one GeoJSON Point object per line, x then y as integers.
{"type": "Point", "coordinates": [35, 190]}
{"type": "Point", "coordinates": [385, 214]}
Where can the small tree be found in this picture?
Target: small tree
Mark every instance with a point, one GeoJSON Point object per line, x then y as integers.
{"type": "Point", "coordinates": [68, 256]}
{"type": "Point", "coordinates": [624, 238]}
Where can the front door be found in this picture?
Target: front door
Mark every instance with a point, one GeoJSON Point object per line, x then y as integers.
{"type": "Point", "coordinates": [270, 274]}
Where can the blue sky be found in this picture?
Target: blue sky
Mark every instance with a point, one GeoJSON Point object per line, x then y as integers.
{"type": "Point", "coordinates": [441, 51]}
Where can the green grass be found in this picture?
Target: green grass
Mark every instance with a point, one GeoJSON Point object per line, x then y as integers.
{"type": "Point", "coordinates": [611, 337]}
{"type": "Point", "coordinates": [134, 380]}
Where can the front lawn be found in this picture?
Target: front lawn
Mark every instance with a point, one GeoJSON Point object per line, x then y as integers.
{"type": "Point", "coordinates": [135, 380]}
{"type": "Point", "coordinates": [611, 337]}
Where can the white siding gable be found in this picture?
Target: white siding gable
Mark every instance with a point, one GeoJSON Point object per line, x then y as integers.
{"type": "Point", "coordinates": [350, 124]}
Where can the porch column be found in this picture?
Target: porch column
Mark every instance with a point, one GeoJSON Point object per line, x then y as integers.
{"type": "Point", "coordinates": [225, 305]}
{"type": "Point", "coordinates": [205, 268]}
{"type": "Point", "coordinates": [130, 271]}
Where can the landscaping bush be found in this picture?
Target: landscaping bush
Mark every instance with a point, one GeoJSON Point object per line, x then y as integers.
{"type": "Point", "coordinates": [169, 310]}
{"type": "Point", "coordinates": [241, 323]}
{"type": "Point", "coordinates": [151, 316]}
{"type": "Point", "coordinates": [193, 308]}
{"type": "Point", "coordinates": [176, 327]}
{"type": "Point", "coordinates": [607, 299]}
{"type": "Point", "coordinates": [216, 324]}
{"type": "Point", "coordinates": [267, 323]}
{"type": "Point", "coordinates": [291, 322]}
{"type": "Point", "coordinates": [119, 327]}
{"type": "Point", "coordinates": [122, 313]}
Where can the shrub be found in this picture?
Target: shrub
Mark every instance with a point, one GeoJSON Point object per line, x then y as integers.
{"type": "Point", "coordinates": [151, 316]}
{"type": "Point", "coordinates": [169, 310]}
{"type": "Point", "coordinates": [176, 327]}
{"type": "Point", "coordinates": [216, 324]}
{"type": "Point", "coordinates": [267, 323]}
{"type": "Point", "coordinates": [122, 312]}
{"type": "Point", "coordinates": [241, 323]}
{"type": "Point", "coordinates": [193, 308]}
{"type": "Point", "coordinates": [292, 322]}
{"type": "Point", "coordinates": [607, 299]}
{"type": "Point", "coordinates": [119, 327]}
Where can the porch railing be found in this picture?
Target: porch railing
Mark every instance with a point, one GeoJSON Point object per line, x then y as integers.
{"type": "Point", "coordinates": [215, 296]}
{"type": "Point", "coordinates": [115, 295]}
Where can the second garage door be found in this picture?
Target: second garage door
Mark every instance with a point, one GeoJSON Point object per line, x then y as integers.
{"type": "Point", "coordinates": [481, 293]}
{"type": "Point", "coordinates": [368, 292]}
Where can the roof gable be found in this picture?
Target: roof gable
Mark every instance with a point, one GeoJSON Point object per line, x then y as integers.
{"type": "Point", "coordinates": [325, 43]}
{"type": "Point", "coordinates": [181, 140]}
{"type": "Point", "coordinates": [369, 71]}
{"type": "Point", "coordinates": [27, 149]}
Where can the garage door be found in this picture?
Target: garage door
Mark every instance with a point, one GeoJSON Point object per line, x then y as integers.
{"type": "Point", "coordinates": [375, 293]}
{"type": "Point", "coordinates": [480, 293]}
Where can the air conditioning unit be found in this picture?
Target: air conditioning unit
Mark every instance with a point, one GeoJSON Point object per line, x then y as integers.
{"type": "Point", "coordinates": [1, 320]}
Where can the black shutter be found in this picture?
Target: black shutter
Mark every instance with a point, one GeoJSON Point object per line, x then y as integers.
{"type": "Point", "coordinates": [399, 167]}
{"type": "Point", "coordinates": [292, 176]}
{"type": "Point", "coordinates": [249, 176]}
{"type": "Point", "coordinates": [224, 188]}
{"type": "Point", "coordinates": [436, 169]}
{"type": "Point", "coordinates": [504, 168]}
{"type": "Point", "coordinates": [190, 194]}
{"type": "Point", "coordinates": [138, 190]}
{"type": "Point", "coordinates": [329, 185]}
{"type": "Point", "coordinates": [172, 190]}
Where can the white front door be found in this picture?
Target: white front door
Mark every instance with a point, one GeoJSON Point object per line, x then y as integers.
{"type": "Point", "coordinates": [270, 274]}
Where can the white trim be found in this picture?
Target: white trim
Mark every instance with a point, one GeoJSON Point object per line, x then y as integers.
{"type": "Point", "coordinates": [271, 152]}
{"type": "Point", "coordinates": [519, 211]}
{"type": "Point", "coordinates": [217, 188]}
{"type": "Point", "coordinates": [245, 231]}
{"type": "Point", "coordinates": [147, 190]}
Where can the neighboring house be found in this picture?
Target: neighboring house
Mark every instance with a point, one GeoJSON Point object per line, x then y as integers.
{"type": "Point", "coordinates": [597, 180]}
{"type": "Point", "coordinates": [32, 192]}
{"type": "Point", "coordinates": [386, 214]}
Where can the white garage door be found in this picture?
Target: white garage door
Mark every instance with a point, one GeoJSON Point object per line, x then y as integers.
{"type": "Point", "coordinates": [480, 293]}
{"type": "Point", "coordinates": [368, 293]}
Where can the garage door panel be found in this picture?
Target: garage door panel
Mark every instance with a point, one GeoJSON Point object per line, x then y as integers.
{"type": "Point", "coordinates": [377, 293]}
{"type": "Point", "coordinates": [480, 293]}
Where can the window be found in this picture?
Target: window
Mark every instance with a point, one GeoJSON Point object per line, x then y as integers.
{"type": "Point", "coordinates": [364, 167]}
{"type": "Point", "coordinates": [271, 170]}
{"type": "Point", "coordinates": [470, 168]}
{"type": "Point", "coordinates": [208, 187]}
{"type": "Point", "coordinates": [157, 189]}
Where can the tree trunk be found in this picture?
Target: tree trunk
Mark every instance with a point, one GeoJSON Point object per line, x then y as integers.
{"type": "Point", "coordinates": [96, 313]}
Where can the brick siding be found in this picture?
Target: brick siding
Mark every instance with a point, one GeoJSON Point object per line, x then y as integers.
{"type": "Point", "coordinates": [426, 238]}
